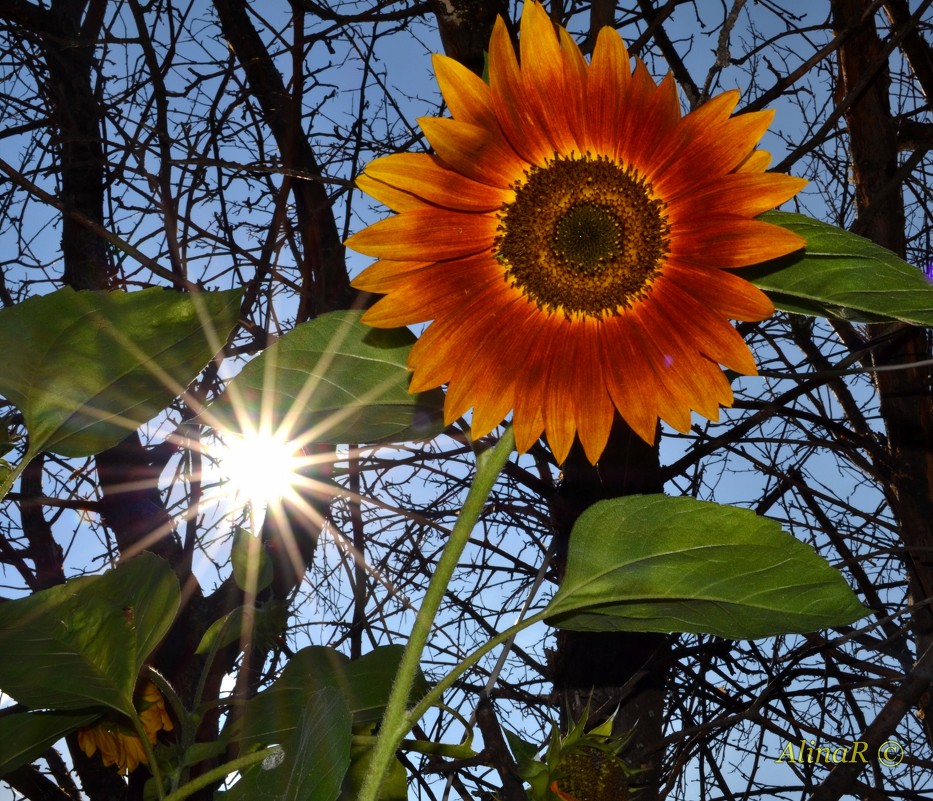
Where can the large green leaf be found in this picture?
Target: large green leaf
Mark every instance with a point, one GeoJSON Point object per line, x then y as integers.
{"type": "Point", "coordinates": [394, 786]}
{"type": "Point", "coordinates": [842, 275]}
{"type": "Point", "coordinates": [364, 683]}
{"type": "Point", "coordinates": [83, 643]}
{"type": "Point", "coordinates": [660, 564]}
{"type": "Point", "coordinates": [278, 715]}
{"type": "Point", "coordinates": [25, 736]}
{"type": "Point", "coordinates": [314, 758]}
{"type": "Point", "coordinates": [86, 368]}
{"type": "Point", "coordinates": [333, 379]}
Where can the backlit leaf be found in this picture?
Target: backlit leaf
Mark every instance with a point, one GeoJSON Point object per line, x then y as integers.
{"type": "Point", "coordinates": [25, 736]}
{"type": "Point", "coordinates": [661, 564]}
{"type": "Point", "coordinates": [87, 368]}
{"type": "Point", "coordinates": [842, 275]}
{"type": "Point", "coordinates": [83, 643]}
{"type": "Point", "coordinates": [315, 756]}
{"type": "Point", "coordinates": [335, 380]}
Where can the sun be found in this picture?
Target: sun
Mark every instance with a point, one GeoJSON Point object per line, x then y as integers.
{"type": "Point", "coordinates": [258, 469]}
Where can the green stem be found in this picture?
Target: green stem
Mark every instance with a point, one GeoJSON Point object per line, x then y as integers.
{"type": "Point", "coordinates": [14, 473]}
{"type": "Point", "coordinates": [395, 723]}
{"type": "Point", "coordinates": [150, 754]}
{"type": "Point", "coordinates": [437, 691]}
{"type": "Point", "coordinates": [187, 727]}
{"type": "Point", "coordinates": [421, 747]}
{"type": "Point", "coordinates": [218, 773]}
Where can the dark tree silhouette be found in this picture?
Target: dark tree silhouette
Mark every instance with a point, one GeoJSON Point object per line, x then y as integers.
{"type": "Point", "coordinates": [209, 145]}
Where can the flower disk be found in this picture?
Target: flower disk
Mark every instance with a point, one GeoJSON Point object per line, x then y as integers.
{"type": "Point", "coordinates": [582, 235]}
{"type": "Point", "coordinates": [570, 241]}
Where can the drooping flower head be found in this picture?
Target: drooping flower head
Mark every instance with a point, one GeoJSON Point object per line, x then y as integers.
{"type": "Point", "coordinates": [570, 240]}
{"type": "Point", "coordinates": [118, 743]}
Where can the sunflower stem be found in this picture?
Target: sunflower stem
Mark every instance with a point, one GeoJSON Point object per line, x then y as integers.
{"type": "Point", "coordinates": [396, 723]}
{"type": "Point", "coordinates": [153, 764]}
{"type": "Point", "coordinates": [437, 691]}
{"type": "Point", "coordinates": [221, 772]}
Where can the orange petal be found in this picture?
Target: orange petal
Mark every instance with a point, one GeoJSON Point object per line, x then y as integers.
{"type": "Point", "coordinates": [698, 133]}
{"type": "Point", "coordinates": [531, 386]}
{"type": "Point", "coordinates": [559, 417]}
{"type": "Point", "coordinates": [632, 383]}
{"type": "Point", "coordinates": [488, 367]}
{"type": "Point", "coordinates": [505, 356]}
{"type": "Point", "coordinates": [429, 294]}
{"type": "Point", "coordinates": [478, 153]}
{"type": "Point", "coordinates": [723, 148]}
{"type": "Point", "coordinates": [743, 193]}
{"type": "Point", "coordinates": [652, 115]}
{"type": "Point", "coordinates": [593, 408]}
{"type": "Point", "coordinates": [466, 94]}
{"type": "Point", "coordinates": [575, 80]}
{"type": "Point", "coordinates": [607, 84]}
{"type": "Point", "coordinates": [436, 355]}
{"type": "Point", "coordinates": [734, 297]}
{"type": "Point", "coordinates": [490, 410]}
{"type": "Point", "coordinates": [521, 126]}
{"type": "Point", "coordinates": [543, 77]}
{"type": "Point", "coordinates": [675, 365]}
{"type": "Point", "coordinates": [705, 330]}
{"type": "Point", "coordinates": [731, 242]}
{"type": "Point", "coordinates": [430, 360]}
{"type": "Point", "coordinates": [714, 111]}
{"type": "Point", "coordinates": [396, 199]}
{"type": "Point", "coordinates": [756, 162]}
{"type": "Point", "coordinates": [381, 276]}
{"type": "Point", "coordinates": [429, 178]}
{"type": "Point", "coordinates": [432, 233]}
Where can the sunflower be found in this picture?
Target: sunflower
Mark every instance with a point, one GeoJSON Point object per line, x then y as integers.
{"type": "Point", "coordinates": [117, 743]}
{"type": "Point", "coordinates": [569, 240]}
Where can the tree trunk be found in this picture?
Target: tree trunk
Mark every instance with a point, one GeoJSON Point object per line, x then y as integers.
{"type": "Point", "coordinates": [606, 673]}
{"type": "Point", "coordinates": [905, 395]}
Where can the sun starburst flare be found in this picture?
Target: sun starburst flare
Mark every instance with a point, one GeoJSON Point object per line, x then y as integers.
{"type": "Point", "coordinates": [570, 239]}
{"type": "Point", "coordinates": [261, 468]}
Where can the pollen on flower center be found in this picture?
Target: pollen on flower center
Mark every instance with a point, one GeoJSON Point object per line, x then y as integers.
{"type": "Point", "coordinates": [586, 237]}
{"type": "Point", "coordinates": [583, 235]}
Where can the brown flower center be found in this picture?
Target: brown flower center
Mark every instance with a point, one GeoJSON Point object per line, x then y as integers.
{"type": "Point", "coordinates": [583, 235]}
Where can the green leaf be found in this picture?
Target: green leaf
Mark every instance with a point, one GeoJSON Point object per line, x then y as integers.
{"type": "Point", "coordinates": [8, 435]}
{"type": "Point", "coordinates": [25, 736]}
{"type": "Point", "coordinates": [364, 683]}
{"type": "Point", "coordinates": [268, 622]}
{"type": "Point", "coordinates": [252, 567]}
{"type": "Point", "coordinates": [316, 753]}
{"type": "Point", "coordinates": [335, 380]}
{"type": "Point", "coordinates": [83, 643]}
{"type": "Point", "coordinates": [198, 752]}
{"type": "Point", "coordinates": [842, 275]}
{"type": "Point", "coordinates": [660, 564]}
{"type": "Point", "coordinates": [222, 632]}
{"type": "Point", "coordinates": [523, 751]}
{"type": "Point", "coordinates": [394, 785]}
{"type": "Point", "coordinates": [86, 368]}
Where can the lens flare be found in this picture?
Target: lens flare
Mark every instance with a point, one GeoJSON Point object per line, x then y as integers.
{"type": "Point", "coordinates": [257, 469]}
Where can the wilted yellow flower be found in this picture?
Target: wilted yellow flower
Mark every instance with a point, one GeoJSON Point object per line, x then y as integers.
{"type": "Point", "coordinates": [152, 711]}
{"type": "Point", "coordinates": [118, 743]}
